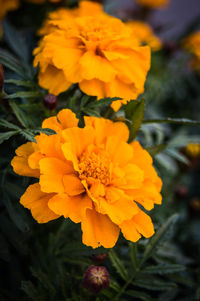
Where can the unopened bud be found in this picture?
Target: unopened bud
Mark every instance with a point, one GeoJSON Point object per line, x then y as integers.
{"type": "Point", "coordinates": [1, 77]}
{"type": "Point", "coordinates": [96, 278]}
{"type": "Point", "coordinates": [99, 258]}
{"type": "Point", "coordinates": [50, 101]}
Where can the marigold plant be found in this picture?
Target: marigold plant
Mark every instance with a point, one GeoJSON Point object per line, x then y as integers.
{"type": "Point", "coordinates": [153, 3]}
{"type": "Point", "coordinates": [97, 52]}
{"type": "Point", "coordinates": [145, 34]}
{"type": "Point", "coordinates": [92, 176]}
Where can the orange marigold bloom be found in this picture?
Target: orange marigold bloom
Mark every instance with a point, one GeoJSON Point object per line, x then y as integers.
{"type": "Point", "coordinates": [145, 34]}
{"type": "Point", "coordinates": [5, 6]}
{"type": "Point", "coordinates": [153, 3]}
{"type": "Point", "coordinates": [193, 150]}
{"type": "Point", "coordinates": [92, 176]}
{"type": "Point", "coordinates": [192, 43]}
{"type": "Point", "coordinates": [97, 52]}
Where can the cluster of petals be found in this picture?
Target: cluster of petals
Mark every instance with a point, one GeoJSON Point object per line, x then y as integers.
{"type": "Point", "coordinates": [145, 35]}
{"type": "Point", "coordinates": [192, 44]}
{"type": "Point", "coordinates": [92, 176]}
{"type": "Point", "coordinates": [93, 49]}
{"type": "Point", "coordinates": [153, 3]}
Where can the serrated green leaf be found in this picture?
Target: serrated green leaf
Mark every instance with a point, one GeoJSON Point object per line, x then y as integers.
{"type": "Point", "coordinates": [28, 135]}
{"type": "Point", "coordinates": [103, 102]}
{"type": "Point", "coordinates": [154, 285]}
{"type": "Point", "coordinates": [177, 155]}
{"type": "Point", "coordinates": [11, 63]}
{"type": "Point", "coordinates": [8, 125]}
{"type": "Point", "coordinates": [163, 269]}
{"type": "Point", "coordinates": [91, 112]}
{"type": "Point", "coordinates": [21, 116]}
{"type": "Point", "coordinates": [133, 255]}
{"type": "Point", "coordinates": [134, 111]}
{"type": "Point", "coordinates": [20, 83]}
{"type": "Point", "coordinates": [7, 135]}
{"type": "Point", "coordinates": [140, 295]}
{"type": "Point", "coordinates": [114, 285]}
{"type": "Point", "coordinates": [183, 121]}
{"type": "Point", "coordinates": [24, 94]}
{"type": "Point", "coordinates": [118, 264]}
{"type": "Point", "coordinates": [30, 290]}
{"type": "Point", "coordinates": [159, 237]}
{"type": "Point", "coordinates": [156, 149]}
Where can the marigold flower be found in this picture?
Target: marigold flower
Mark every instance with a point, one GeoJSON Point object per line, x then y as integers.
{"type": "Point", "coordinates": [192, 44]}
{"type": "Point", "coordinates": [145, 34]}
{"type": "Point", "coordinates": [193, 150]}
{"type": "Point", "coordinates": [91, 175]}
{"type": "Point", "coordinates": [5, 6]}
{"type": "Point", "coordinates": [97, 52]}
{"type": "Point", "coordinates": [153, 3]}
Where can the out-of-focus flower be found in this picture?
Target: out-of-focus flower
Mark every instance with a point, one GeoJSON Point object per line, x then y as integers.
{"type": "Point", "coordinates": [58, 18]}
{"type": "Point", "coordinates": [97, 52]}
{"type": "Point", "coordinates": [5, 6]}
{"type": "Point", "coordinates": [195, 204]}
{"type": "Point", "coordinates": [153, 3]}
{"type": "Point", "coordinates": [145, 34]}
{"type": "Point", "coordinates": [1, 78]}
{"type": "Point", "coordinates": [192, 44]}
{"type": "Point", "coordinates": [193, 150]}
{"type": "Point", "coordinates": [91, 175]}
{"type": "Point", "coordinates": [99, 258]}
{"type": "Point", "coordinates": [50, 101]}
{"type": "Point", "coordinates": [96, 278]}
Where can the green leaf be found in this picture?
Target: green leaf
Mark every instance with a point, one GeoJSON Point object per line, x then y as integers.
{"type": "Point", "coordinates": [140, 295]}
{"type": "Point", "coordinates": [103, 102]}
{"type": "Point", "coordinates": [133, 255]}
{"type": "Point", "coordinates": [24, 94]}
{"type": "Point", "coordinates": [6, 124]}
{"type": "Point", "coordinates": [20, 83]}
{"type": "Point", "coordinates": [114, 285]}
{"type": "Point", "coordinates": [134, 111]}
{"type": "Point", "coordinates": [28, 135]}
{"type": "Point", "coordinates": [154, 285]}
{"type": "Point", "coordinates": [156, 149]}
{"type": "Point", "coordinates": [91, 112]}
{"type": "Point", "coordinates": [118, 264]}
{"type": "Point", "coordinates": [7, 135]}
{"type": "Point", "coordinates": [163, 269]}
{"type": "Point", "coordinates": [30, 290]}
{"type": "Point", "coordinates": [19, 114]}
{"type": "Point", "coordinates": [11, 63]}
{"type": "Point", "coordinates": [183, 121]}
{"type": "Point", "coordinates": [159, 237]}
{"type": "Point", "coordinates": [177, 155]}
{"type": "Point", "coordinates": [15, 41]}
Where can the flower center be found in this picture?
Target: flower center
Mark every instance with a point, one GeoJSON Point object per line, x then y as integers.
{"type": "Point", "coordinates": [96, 166]}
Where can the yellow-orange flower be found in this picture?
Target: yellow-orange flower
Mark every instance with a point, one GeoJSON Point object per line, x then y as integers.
{"type": "Point", "coordinates": [5, 6]}
{"type": "Point", "coordinates": [153, 3]}
{"type": "Point", "coordinates": [97, 52]}
{"type": "Point", "coordinates": [92, 176]}
{"type": "Point", "coordinates": [58, 18]}
{"type": "Point", "coordinates": [193, 150]}
{"type": "Point", "coordinates": [192, 43]}
{"type": "Point", "coordinates": [145, 35]}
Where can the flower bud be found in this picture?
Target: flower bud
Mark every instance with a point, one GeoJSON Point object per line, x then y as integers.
{"type": "Point", "coordinates": [99, 258]}
{"type": "Point", "coordinates": [50, 101]}
{"type": "Point", "coordinates": [96, 278]}
{"type": "Point", "coordinates": [1, 77]}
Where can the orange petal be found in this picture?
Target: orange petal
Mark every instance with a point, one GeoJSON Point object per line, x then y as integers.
{"type": "Point", "coordinates": [99, 230]}
{"type": "Point", "coordinates": [52, 183]}
{"type": "Point", "coordinates": [93, 87]}
{"type": "Point", "coordinates": [52, 123]}
{"type": "Point", "coordinates": [120, 152]}
{"type": "Point", "coordinates": [72, 207]}
{"type": "Point", "coordinates": [54, 167]}
{"type": "Point", "coordinates": [21, 167]}
{"type": "Point", "coordinates": [140, 224]}
{"type": "Point", "coordinates": [67, 119]}
{"type": "Point", "coordinates": [73, 185]}
{"type": "Point", "coordinates": [37, 201]}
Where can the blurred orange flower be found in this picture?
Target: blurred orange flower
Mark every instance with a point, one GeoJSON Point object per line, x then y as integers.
{"type": "Point", "coordinates": [145, 34]}
{"type": "Point", "coordinates": [92, 176]}
{"type": "Point", "coordinates": [192, 44]}
{"type": "Point", "coordinates": [97, 52]}
{"type": "Point", "coordinates": [153, 3]}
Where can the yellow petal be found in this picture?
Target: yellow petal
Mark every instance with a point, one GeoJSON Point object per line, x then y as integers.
{"type": "Point", "coordinates": [99, 230]}
{"type": "Point", "coordinates": [120, 152]}
{"type": "Point", "coordinates": [37, 201]}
